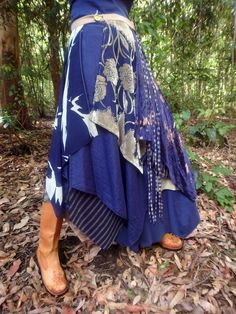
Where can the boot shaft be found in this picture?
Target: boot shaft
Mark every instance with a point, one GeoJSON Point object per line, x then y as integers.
{"type": "Point", "coordinates": [50, 228]}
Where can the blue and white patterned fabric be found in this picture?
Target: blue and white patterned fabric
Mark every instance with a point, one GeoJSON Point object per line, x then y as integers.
{"type": "Point", "coordinates": [80, 8]}
{"type": "Point", "coordinates": [115, 137]}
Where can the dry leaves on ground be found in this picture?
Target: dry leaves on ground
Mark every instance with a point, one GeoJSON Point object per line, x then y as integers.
{"type": "Point", "coordinates": [198, 279]}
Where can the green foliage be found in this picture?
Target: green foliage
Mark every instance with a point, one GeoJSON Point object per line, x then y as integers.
{"type": "Point", "coordinates": [225, 198]}
{"type": "Point", "coordinates": [7, 71]}
{"type": "Point", "coordinates": [181, 119]}
{"type": "Point", "coordinates": [188, 43]}
{"type": "Point", "coordinates": [209, 133]}
{"type": "Point", "coordinates": [208, 181]}
{"type": "Point", "coordinates": [163, 265]}
{"type": "Point", "coordinates": [6, 120]}
{"type": "Point", "coordinates": [36, 73]}
{"type": "Point", "coordinates": [205, 132]}
{"type": "Point", "coordinates": [9, 121]}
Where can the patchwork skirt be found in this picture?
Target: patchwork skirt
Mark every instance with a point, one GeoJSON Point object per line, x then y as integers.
{"type": "Point", "coordinates": [117, 168]}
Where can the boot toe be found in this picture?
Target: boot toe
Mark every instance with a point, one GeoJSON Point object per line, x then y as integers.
{"type": "Point", "coordinates": [171, 242]}
{"type": "Point", "coordinates": [52, 274]}
{"type": "Point", "coordinates": [55, 282]}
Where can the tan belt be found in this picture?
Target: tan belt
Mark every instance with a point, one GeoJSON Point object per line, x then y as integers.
{"type": "Point", "coordinates": [99, 18]}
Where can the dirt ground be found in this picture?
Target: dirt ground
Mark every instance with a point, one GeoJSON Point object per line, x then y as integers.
{"type": "Point", "coordinates": [199, 279]}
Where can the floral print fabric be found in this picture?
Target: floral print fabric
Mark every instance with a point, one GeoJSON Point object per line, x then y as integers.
{"type": "Point", "coordinates": [127, 103]}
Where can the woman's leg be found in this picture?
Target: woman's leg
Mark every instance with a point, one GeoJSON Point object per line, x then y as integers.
{"type": "Point", "coordinates": [47, 253]}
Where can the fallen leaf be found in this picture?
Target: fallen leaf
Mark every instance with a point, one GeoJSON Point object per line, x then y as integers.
{"type": "Point", "coordinates": [3, 290]}
{"type": "Point", "coordinates": [80, 305]}
{"type": "Point", "coordinates": [233, 290]}
{"type": "Point", "coordinates": [6, 227]}
{"type": "Point", "coordinates": [207, 306]}
{"type": "Point", "coordinates": [177, 298]}
{"type": "Point", "coordinates": [231, 266]}
{"type": "Point", "coordinates": [92, 253]}
{"type": "Point", "coordinates": [21, 199]}
{"type": "Point", "coordinates": [43, 310]}
{"type": "Point", "coordinates": [136, 300]}
{"type": "Point", "coordinates": [4, 200]}
{"type": "Point", "coordinates": [198, 310]}
{"type": "Point", "coordinates": [66, 309]}
{"type": "Point", "coordinates": [22, 223]}
{"type": "Point", "coordinates": [5, 258]}
{"type": "Point", "coordinates": [134, 258]}
{"type": "Point", "coordinates": [21, 299]}
{"type": "Point", "coordinates": [177, 261]}
{"type": "Point", "coordinates": [2, 300]}
{"type": "Point", "coordinates": [14, 268]}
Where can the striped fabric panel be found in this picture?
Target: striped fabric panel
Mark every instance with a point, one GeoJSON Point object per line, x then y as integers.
{"type": "Point", "coordinates": [93, 218]}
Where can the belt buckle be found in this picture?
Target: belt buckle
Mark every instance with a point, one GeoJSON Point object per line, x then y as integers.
{"type": "Point", "coordinates": [98, 17]}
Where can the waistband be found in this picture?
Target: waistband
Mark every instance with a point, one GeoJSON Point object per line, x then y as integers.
{"type": "Point", "coordinates": [100, 18]}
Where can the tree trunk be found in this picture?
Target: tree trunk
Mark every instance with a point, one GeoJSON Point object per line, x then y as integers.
{"type": "Point", "coordinates": [54, 63]}
{"type": "Point", "coordinates": [11, 89]}
{"type": "Point", "coordinates": [54, 48]}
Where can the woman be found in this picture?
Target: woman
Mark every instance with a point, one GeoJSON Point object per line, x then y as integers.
{"type": "Point", "coordinates": [117, 168]}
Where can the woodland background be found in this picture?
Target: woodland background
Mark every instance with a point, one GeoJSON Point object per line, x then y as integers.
{"type": "Point", "coordinates": [191, 46]}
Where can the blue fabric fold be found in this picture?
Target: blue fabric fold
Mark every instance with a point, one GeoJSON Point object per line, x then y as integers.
{"type": "Point", "coordinates": [87, 156]}
{"type": "Point", "coordinates": [99, 168]}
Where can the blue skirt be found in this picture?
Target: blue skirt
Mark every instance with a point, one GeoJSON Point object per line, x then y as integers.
{"type": "Point", "coordinates": [112, 172]}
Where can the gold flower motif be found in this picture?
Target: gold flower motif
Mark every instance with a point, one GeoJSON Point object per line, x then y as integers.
{"type": "Point", "coordinates": [127, 77]}
{"type": "Point", "coordinates": [100, 89]}
{"type": "Point", "coordinates": [110, 71]}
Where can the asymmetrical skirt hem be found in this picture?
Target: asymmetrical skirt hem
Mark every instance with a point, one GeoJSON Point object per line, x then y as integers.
{"type": "Point", "coordinates": [114, 142]}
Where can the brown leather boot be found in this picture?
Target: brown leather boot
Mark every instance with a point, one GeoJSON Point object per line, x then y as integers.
{"type": "Point", "coordinates": [47, 253]}
{"type": "Point", "coordinates": [171, 242]}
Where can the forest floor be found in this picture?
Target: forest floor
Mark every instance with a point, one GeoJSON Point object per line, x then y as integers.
{"type": "Point", "coordinates": [199, 279]}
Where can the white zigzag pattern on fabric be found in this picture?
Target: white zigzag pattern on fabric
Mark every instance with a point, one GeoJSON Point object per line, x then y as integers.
{"type": "Point", "coordinates": [91, 126]}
